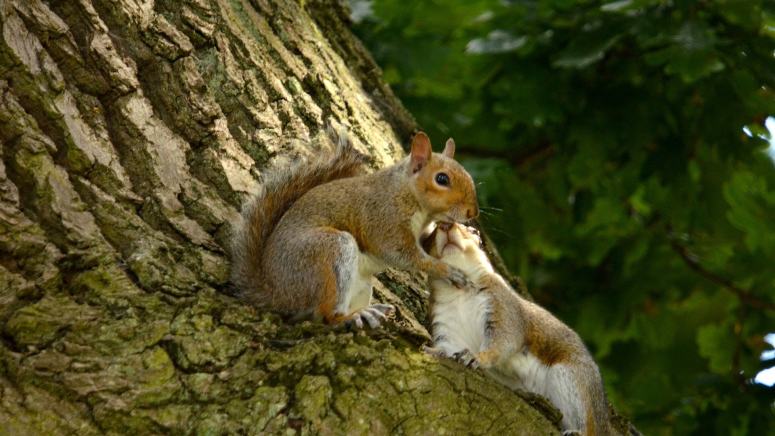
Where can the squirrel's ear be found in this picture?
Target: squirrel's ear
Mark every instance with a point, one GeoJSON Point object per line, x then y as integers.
{"type": "Point", "coordinates": [421, 151]}
{"type": "Point", "coordinates": [449, 148]}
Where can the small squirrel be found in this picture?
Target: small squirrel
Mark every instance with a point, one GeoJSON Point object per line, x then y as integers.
{"type": "Point", "coordinates": [517, 342]}
{"type": "Point", "coordinates": [311, 240]}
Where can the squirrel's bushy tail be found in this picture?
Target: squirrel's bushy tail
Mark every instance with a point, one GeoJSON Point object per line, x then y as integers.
{"type": "Point", "coordinates": [597, 416]}
{"type": "Point", "coordinates": [281, 188]}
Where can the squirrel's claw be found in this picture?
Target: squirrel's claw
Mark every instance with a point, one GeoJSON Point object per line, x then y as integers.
{"type": "Point", "coordinates": [355, 322]}
{"type": "Point", "coordinates": [475, 234]}
{"type": "Point", "coordinates": [466, 358]}
{"type": "Point", "coordinates": [434, 352]}
{"type": "Point", "coordinates": [373, 316]}
{"type": "Point", "coordinates": [459, 279]}
{"type": "Point", "coordinates": [387, 309]}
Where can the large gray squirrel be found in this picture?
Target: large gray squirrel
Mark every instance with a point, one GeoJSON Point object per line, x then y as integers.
{"type": "Point", "coordinates": [311, 240]}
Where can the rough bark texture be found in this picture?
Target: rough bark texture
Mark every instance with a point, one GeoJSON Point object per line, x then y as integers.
{"type": "Point", "coordinates": [130, 133]}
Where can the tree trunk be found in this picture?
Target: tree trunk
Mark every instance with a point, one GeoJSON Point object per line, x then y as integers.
{"type": "Point", "coordinates": [131, 132]}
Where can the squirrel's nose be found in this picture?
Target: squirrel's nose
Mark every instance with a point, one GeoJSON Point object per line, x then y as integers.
{"type": "Point", "coordinates": [473, 212]}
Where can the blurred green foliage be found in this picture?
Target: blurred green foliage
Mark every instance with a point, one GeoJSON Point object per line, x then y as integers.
{"type": "Point", "coordinates": [608, 140]}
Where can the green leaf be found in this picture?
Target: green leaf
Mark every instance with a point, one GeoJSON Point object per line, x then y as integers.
{"type": "Point", "coordinates": [587, 49]}
{"type": "Point", "coordinates": [717, 344]}
{"type": "Point", "coordinates": [746, 13]}
{"type": "Point", "coordinates": [691, 54]}
{"type": "Point", "coordinates": [752, 207]}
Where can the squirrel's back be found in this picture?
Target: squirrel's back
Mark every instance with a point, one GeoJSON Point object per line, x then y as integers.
{"type": "Point", "coordinates": [281, 188]}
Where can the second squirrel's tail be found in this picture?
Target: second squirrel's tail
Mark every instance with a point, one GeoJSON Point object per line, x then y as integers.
{"type": "Point", "coordinates": [281, 188]}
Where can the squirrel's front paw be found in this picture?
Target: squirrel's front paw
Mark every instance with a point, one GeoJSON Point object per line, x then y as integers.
{"type": "Point", "coordinates": [466, 358]}
{"type": "Point", "coordinates": [475, 234]}
{"type": "Point", "coordinates": [373, 316]}
{"type": "Point", "coordinates": [459, 279]}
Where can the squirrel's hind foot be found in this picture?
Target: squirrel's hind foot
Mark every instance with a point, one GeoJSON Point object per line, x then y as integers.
{"type": "Point", "coordinates": [372, 316]}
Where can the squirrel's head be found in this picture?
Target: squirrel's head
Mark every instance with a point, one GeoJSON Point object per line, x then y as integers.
{"type": "Point", "coordinates": [442, 186]}
{"type": "Point", "coordinates": [459, 246]}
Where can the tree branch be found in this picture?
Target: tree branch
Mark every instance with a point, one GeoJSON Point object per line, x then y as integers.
{"type": "Point", "coordinates": [692, 261]}
{"type": "Point", "coordinates": [528, 157]}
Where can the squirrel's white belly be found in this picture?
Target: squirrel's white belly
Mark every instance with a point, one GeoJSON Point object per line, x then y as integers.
{"type": "Point", "coordinates": [460, 320]}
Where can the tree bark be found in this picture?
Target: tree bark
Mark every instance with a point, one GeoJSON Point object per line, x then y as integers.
{"type": "Point", "coordinates": [131, 132]}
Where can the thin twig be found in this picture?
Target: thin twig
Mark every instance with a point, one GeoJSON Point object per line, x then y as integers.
{"type": "Point", "coordinates": [745, 296]}
{"type": "Point", "coordinates": [538, 153]}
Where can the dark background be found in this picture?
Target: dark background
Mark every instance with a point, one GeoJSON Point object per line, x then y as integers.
{"type": "Point", "coordinates": [625, 172]}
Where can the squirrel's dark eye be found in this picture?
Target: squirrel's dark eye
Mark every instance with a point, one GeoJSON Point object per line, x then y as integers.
{"type": "Point", "coordinates": [442, 179]}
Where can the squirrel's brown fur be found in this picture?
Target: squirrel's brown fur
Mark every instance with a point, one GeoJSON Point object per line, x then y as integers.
{"type": "Point", "coordinates": [313, 238]}
{"type": "Point", "coordinates": [279, 191]}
